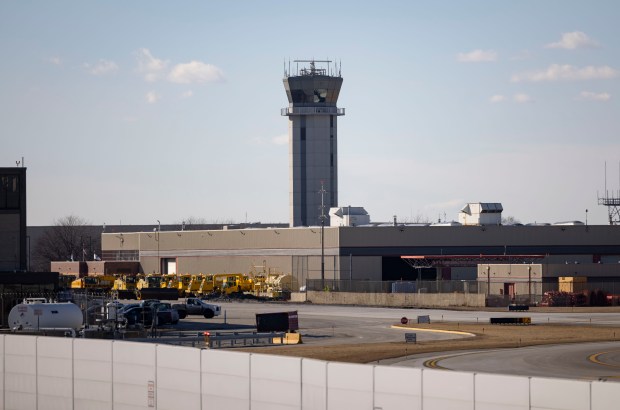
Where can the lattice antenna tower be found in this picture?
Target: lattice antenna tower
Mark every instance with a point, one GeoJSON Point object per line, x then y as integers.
{"type": "Point", "coordinates": [611, 200]}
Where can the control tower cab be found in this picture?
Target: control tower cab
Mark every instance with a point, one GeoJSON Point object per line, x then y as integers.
{"type": "Point", "coordinates": [312, 92]}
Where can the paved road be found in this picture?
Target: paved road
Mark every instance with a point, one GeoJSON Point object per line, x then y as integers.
{"type": "Point", "coordinates": [322, 324]}
{"type": "Point", "coordinates": [319, 324]}
{"type": "Point", "coordinates": [328, 325]}
{"type": "Point", "coordinates": [590, 361]}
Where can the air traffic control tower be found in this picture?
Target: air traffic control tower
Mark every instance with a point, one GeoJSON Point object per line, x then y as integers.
{"type": "Point", "coordinates": [312, 93]}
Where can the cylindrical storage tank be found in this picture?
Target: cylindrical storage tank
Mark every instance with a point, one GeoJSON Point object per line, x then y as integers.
{"type": "Point", "coordinates": [35, 316]}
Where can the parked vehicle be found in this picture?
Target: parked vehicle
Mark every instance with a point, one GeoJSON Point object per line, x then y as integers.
{"type": "Point", "coordinates": [138, 315]}
{"type": "Point", "coordinates": [195, 306]}
{"type": "Point", "coordinates": [166, 315]}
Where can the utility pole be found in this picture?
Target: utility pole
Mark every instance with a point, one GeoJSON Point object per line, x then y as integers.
{"type": "Point", "coordinates": [322, 192]}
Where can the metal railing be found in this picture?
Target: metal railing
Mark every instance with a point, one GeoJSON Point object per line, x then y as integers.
{"type": "Point", "coordinates": [120, 255]}
{"type": "Point", "coordinates": [312, 111]}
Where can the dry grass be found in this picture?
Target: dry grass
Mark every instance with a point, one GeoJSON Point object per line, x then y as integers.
{"type": "Point", "coordinates": [486, 337]}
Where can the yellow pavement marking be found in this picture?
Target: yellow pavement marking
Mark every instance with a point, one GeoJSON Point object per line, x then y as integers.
{"type": "Point", "coordinates": [432, 363]}
{"type": "Point", "coordinates": [594, 358]}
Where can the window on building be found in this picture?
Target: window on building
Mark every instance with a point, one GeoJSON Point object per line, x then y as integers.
{"type": "Point", "coordinates": [9, 192]}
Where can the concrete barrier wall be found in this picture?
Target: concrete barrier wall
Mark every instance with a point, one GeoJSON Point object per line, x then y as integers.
{"type": "Point", "coordinates": [62, 373]}
{"type": "Point", "coordinates": [430, 300]}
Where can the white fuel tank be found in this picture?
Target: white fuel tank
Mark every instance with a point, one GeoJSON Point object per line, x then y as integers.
{"type": "Point", "coordinates": [33, 316]}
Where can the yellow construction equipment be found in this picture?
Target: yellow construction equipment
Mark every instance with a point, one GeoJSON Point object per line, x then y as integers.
{"type": "Point", "coordinates": [229, 283]}
{"type": "Point", "coordinates": [101, 282]}
{"type": "Point", "coordinates": [152, 286]}
{"type": "Point", "coordinates": [206, 285]}
{"type": "Point", "coordinates": [194, 284]}
{"type": "Point", "coordinates": [125, 286]}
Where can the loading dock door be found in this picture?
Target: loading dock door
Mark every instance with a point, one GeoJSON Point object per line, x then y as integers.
{"type": "Point", "coordinates": [169, 266]}
{"type": "Point", "coordinates": [509, 290]}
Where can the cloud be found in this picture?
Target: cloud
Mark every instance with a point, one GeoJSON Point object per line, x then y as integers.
{"type": "Point", "coordinates": [477, 56]}
{"type": "Point", "coordinates": [566, 72]}
{"type": "Point", "coordinates": [195, 72]}
{"type": "Point", "coordinates": [102, 67]}
{"type": "Point", "coordinates": [152, 97]}
{"type": "Point", "coordinates": [521, 98]}
{"type": "Point", "coordinates": [573, 40]}
{"type": "Point", "coordinates": [187, 94]}
{"type": "Point", "coordinates": [590, 96]}
{"type": "Point", "coordinates": [497, 98]}
{"type": "Point", "coordinates": [280, 139]}
{"type": "Point", "coordinates": [152, 68]}
{"type": "Point", "coordinates": [55, 60]}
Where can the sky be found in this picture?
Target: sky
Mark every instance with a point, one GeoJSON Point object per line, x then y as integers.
{"type": "Point", "coordinates": [134, 112]}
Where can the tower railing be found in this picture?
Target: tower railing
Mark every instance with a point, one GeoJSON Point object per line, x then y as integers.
{"type": "Point", "coordinates": [312, 111]}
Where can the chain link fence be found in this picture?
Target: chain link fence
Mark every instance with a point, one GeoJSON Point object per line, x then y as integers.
{"type": "Point", "coordinates": [366, 286]}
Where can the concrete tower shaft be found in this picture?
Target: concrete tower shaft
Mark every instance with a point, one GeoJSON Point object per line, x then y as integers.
{"type": "Point", "coordinates": [313, 140]}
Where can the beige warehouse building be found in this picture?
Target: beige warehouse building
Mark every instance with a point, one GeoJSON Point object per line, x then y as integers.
{"type": "Point", "coordinates": [359, 253]}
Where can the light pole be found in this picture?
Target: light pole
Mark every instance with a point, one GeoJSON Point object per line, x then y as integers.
{"type": "Point", "coordinates": [488, 281]}
{"type": "Point", "coordinates": [158, 260]}
{"type": "Point", "coordinates": [529, 283]}
{"type": "Point", "coordinates": [322, 192]}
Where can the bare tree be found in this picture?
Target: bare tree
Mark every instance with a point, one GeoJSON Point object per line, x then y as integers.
{"type": "Point", "coordinates": [70, 238]}
{"type": "Point", "coordinates": [417, 219]}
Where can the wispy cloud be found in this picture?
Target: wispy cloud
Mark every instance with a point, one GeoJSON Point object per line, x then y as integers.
{"type": "Point", "coordinates": [497, 98]}
{"type": "Point", "coordinates": [55, 60]}
{"type": "Point", "coordinates": [566, 72]}
{"type": "Point", "coordinates": [521, 98]}
{"type": "Point", "coordinates": [477, 56]}
{"type": "Point", "coordinates": [152, 97]}
{"type": "Point", "coordinates": [195, 72]}
{"type": "Point", "coordinates": [152, 68]}
{"type": "Point", "coordinates": [280, 139]}
{"type": "Point", "coordinates": [573, 40]}
{"type": "Point", "coordinates": [591, 96]}
{"type": "Point", "coordinates": [187, 94]}
{"type": "Point", "coordinates": [102, 67]}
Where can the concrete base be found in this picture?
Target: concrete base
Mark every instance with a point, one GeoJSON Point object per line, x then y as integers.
{"type": "Point", "coordinates": [430, 300]}
{"type": "Point", "coordinates": [298, 297]}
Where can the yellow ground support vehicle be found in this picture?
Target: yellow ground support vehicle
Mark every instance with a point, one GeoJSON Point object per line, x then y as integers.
{"type": "Point", "coordinates": [183, 283]}
{"type": "Point", "coordinates": [100, 283]}
{"type": "Point", "coordinates": [170, 281]}
{"type": "Point", "coordinates": [206, 285]}
{"type": "Point", "coordinates": [151, 287]}
{"type": "Point", "coordinates": [125, 286]}
{"type": "Point", "coordinates": [229, 283]}
{"type": "Point", "coordinates": [194, 284]}
{"type": "Point", "coordinates": [125, 282]}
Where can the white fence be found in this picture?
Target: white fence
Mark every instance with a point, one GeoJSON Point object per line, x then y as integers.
{"type": "Point", "coordinates": [63, 373]}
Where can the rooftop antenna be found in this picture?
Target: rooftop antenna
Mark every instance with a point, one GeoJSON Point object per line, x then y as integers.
{"type": "Point", "coordinates": [612, 202]}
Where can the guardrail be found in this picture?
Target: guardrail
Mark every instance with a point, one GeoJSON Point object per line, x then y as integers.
{"type": "Point", "coordinates": [212, 339]}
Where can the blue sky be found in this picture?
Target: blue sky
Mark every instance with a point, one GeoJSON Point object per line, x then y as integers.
{"type": "Point", "coordinates": [133, 112]}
